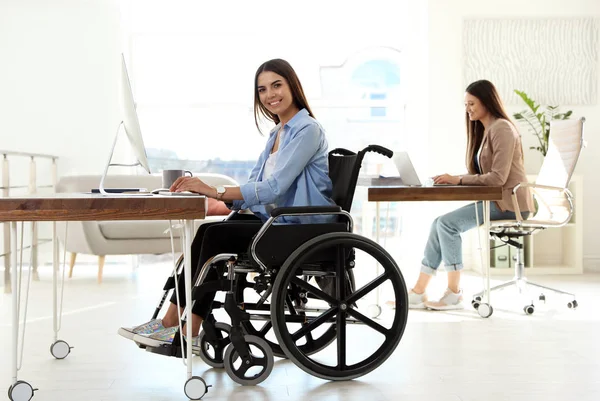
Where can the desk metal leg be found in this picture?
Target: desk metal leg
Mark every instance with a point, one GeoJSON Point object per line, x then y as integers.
{"type": "Point", "coordinates": [374, 310]}
{"type": "Point", "coordinates": [188, 224]}
{"type": "Point", "coordinates": [195, 387]}
{"type": "Point", "coordinates": [15, 300]}
{"type": "Point", "coordinates": [485, 308]}
{"type": "Point", "coordinates": [59, 349]}
{"type": "Point", "coordinates": [54, 281]}
{"type": "Point", "coordinates": [19, 390]}
{"type": "Point", "coordinates": [486, 216]}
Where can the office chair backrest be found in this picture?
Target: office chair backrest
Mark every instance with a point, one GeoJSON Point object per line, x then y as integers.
{"type": "Point", "coordinates": [344, 167]}
{"type": "Point", "coordinates": [564, 147]}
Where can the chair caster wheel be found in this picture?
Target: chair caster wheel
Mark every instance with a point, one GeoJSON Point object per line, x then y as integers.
{"type": "Point", "coordinates": [485, 310]}
{"type": "Point", "coordinates": [529, 309]}
{"type": "Point", "coordinates": [573, 304]}
{"type": "Point", "coordinates": [20, 391]}
{"type": "Point", "coordinates": [195, 387]}
{"type": "Point", "coordinates": [374, 311]}
{"type": "Point", "coordinates": [60, 349]}
{"type": "Point", "coordinates": [542, 298]}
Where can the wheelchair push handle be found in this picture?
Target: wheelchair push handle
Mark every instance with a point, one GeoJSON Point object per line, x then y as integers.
{"type": "Point", "coordinates": [379, 149]}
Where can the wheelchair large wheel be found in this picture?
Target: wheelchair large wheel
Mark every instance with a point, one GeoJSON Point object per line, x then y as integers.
{"type": "Point", "coordinates": [352, 356]}
{"type": "Point", "coordinates": [312, 342]}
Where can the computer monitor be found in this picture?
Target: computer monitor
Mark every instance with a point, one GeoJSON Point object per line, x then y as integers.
{"type": "Point", "coordinates": [130, 118]}
{"type": "Point", "coordinates": [132, 128]}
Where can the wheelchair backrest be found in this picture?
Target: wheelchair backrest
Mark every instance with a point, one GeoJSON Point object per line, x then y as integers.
{"type": "Point", "coordinates": [344, 167]}
{"type": "Point", "coordinates": [343, 172]}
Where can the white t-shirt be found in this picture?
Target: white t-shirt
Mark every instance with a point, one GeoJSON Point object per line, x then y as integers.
{"type": "Point", "coordinates": [267, 172]}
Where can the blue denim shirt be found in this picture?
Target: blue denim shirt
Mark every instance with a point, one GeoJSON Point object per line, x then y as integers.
{"type": "Point", "coordinates": [300, 176]}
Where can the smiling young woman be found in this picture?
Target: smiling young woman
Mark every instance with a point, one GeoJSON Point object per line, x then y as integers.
{"type": "Point", "coordinates": [292, 170]}
{"type": "Point", "coordinates": [494, 157]}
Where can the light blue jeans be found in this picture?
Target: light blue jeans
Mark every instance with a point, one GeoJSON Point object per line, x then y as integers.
{"type": "Point", "coordinates": [445, 244]}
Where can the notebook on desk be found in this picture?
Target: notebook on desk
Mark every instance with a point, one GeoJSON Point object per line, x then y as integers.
{"type": "Point", "coordinates": [120, 190]}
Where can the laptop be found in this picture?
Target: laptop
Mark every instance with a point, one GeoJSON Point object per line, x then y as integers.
{"type": "Point", "coordinates": [407, 171]}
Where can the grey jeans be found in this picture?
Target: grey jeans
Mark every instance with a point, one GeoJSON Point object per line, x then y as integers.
{"type": "Point", "coordinates": [445, 244]}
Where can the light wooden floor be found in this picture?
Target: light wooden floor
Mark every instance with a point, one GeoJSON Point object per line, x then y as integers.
{"type": "Point", "coordinates": [452, 356]}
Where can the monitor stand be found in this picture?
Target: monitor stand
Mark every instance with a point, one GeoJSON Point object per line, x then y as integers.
{"type": "Point", "coordinates": [109, 164]}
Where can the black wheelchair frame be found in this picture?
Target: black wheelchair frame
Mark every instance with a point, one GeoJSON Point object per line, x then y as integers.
{"type": "Point", "coordinates": [285, 258]}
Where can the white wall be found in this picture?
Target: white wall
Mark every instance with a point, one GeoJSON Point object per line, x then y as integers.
{"type": "Point", "coordinates": [446, 89]}
{"type": "Point", "coordinates": [59, 73]}
{"type": "Point", "coordinates": [59, 82]}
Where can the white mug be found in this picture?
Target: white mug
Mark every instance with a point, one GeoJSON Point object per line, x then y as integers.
{"type": "Point", "coordinates": [170, 176]}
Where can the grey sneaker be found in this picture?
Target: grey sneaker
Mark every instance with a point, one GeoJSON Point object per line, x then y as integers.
{"type": "Point", "coordinates": [450, 301]}
{"type": "Point", "coordinates": [164, 337]}
{"type": "Point", "coordinates": [416, 301]}
{"type": "Point", "coordinates": [145, 329]}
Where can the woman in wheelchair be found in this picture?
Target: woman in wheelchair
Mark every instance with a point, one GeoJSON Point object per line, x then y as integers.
{"type": "Point", "coordinates": [494, 157]}
{"type": "Point", "coordinates": [291, 171]}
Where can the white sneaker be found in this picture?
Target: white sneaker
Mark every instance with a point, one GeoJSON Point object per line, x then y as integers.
{"type": "Point", "coordinates": [165, 337]}
{"type": "Point", "coordinates": [416, 301]}
{"type": "Point", "coordinates": [450, 301]}
{"type": "Point", "coordinates": [144, 329]}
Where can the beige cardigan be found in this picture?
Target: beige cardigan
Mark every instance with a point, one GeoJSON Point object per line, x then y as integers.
{"type": "Point", "coordinates": [501, 163]}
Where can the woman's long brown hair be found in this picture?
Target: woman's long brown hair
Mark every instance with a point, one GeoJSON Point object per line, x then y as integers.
{"type": "Point", "coordinates": [283, 68]}
{"type": "Point", "coordinates": [487, 94]}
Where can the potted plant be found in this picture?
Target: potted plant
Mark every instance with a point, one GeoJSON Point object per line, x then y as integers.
{"type": "Point", "coordinates": [538, 121]}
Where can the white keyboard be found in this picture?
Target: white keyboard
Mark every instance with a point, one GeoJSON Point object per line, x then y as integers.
{"type": "Point", "coordinates": [169, 193]}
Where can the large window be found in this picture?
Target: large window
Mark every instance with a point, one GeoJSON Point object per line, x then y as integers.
{"type": "Point", "coordinates": [193, 63]}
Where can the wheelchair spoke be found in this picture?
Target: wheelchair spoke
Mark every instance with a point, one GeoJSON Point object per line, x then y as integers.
{"type": "Point", "coordinates": [340, 272]}
{"type": "Point", "coordinates": [265, 329]}
{"type": "Point", "coordinates": [307, 328]}
{"type": "Point", "coordinates": [367, 288]}
{"type": "Point", "coordinates": [290, 305]}
{"type": "Point", "coordinates": [341, 340]}
{"type": "Point", "coordinates": [314, 291]}
{"type": "Point", "coordinates": [374, 325]}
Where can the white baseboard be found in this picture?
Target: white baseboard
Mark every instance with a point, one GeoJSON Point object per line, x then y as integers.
{"type": "Point", "coordinates": [591, 264]}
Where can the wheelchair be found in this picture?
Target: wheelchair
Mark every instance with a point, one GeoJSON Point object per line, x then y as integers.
{"type": "Point", "coordinates": [296, 291]}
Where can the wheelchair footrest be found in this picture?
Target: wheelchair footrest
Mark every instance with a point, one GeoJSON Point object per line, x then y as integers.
{"type": "Point", "coordinates": [167, 350]}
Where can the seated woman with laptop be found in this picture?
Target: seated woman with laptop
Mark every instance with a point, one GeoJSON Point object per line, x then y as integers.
{"type": "Point", "coordinates": [494, 157]}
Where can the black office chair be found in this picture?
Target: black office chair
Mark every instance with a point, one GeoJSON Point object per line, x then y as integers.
{"type": "Point", "coordinates": [306, 290]}
{"type": "Point", "coordinates": [555, 204]}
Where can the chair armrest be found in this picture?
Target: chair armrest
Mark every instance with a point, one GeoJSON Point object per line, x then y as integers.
{"type": "Point", "coordinates": [534, 187]}
{"type": "Point", "coordinates": [294, 210]}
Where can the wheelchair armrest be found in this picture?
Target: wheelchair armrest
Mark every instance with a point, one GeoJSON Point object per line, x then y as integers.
{"type": "Point", "coordinates": [279, 211]}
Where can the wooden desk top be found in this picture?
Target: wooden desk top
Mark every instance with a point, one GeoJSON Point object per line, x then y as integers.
{"type": "Point", "coordinates": [88, 207]}
{"type": "Point", "coordinates": [435, 193]}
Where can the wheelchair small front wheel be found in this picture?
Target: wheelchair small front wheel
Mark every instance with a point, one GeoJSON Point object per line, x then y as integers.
{"type": "Point", "coordinates": [254, 370]}
{"type": "Point", "coordinates": [212, 352]}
